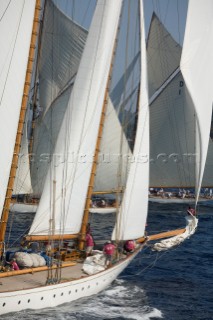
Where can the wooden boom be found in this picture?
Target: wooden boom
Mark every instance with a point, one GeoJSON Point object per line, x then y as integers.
{"type": "Point", "coordinates": [32, 270]}
{"type": "Point", "coordinates": [51, 237]}
{"type": "Point", "coordinates": [162, 235]}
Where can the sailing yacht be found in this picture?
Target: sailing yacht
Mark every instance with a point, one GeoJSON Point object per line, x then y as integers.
{"type": "Point", "coordinates": [63, 210]}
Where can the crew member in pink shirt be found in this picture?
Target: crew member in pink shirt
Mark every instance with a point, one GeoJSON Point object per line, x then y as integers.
{"type": "Point", "coordinates": [14, 265]}
{"type": "Point", "coordinates": [129, 246]}
{"type": "Point", "coordinates": [89, 243]}
{"type": "Point", "coordinates": [109, 249]}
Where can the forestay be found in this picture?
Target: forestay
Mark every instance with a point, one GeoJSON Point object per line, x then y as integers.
{"type": "Point", "coordinates": [197, 70]}
{"type": "Point", "coordinates": [78, 134]}
{"type": "Point", "coordinates": [133, 212]}
{"type": "Point", "coordinates": [15, 35]}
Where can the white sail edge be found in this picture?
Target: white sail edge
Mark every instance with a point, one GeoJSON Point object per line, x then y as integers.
{"type": "Point", "coordinates": [83, 123]}
{"type": "Point", "coordinates": [197, 70]}
{"type": "Point", "coordinates": [15, 36]}
{"type": "Point", "coordinates": [133, 211]}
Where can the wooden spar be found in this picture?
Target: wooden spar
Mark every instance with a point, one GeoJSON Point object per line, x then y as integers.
{"type": "Point", "coordinates": [51, 237]}
{"type": "Point", "coordinates": [161, 235]}
{"type": "Point", "coordinates": [33, 124]}
{"type": "Point", "coordinates": [108, 192]}
{"type": "Point", "coordinates": [28, 77]}
{"type": "Point", "coordinates": [32, 270]}
{"type": "Point", "coordinates": [95, 159]}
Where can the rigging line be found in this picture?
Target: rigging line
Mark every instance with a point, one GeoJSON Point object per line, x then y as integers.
{"type": "Point", "coordinates": [5, 11]}
{"type": "Point", "coordinates": [8, 71]}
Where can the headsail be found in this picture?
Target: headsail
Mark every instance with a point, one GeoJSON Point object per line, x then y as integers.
{"type": "Point", "coordinates": [79, 129]}
{"type": "Point", "coordinates": [197, 70]}
{"type": "Point", "coordinates": [133, 212]}
{"type": "Point", "coordinates": [15, 35]}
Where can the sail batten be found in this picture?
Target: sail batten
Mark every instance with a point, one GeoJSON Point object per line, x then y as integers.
{"type": "Point", "coordinates": [79, 128]}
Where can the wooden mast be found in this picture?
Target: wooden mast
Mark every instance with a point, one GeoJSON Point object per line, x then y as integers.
{"type": "Point", "coordinates": [97, 149]}
{"type": "Point", "coordinates": [28, 77]}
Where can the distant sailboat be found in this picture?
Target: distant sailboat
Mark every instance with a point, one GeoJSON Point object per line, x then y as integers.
{"type": "Point", "coordinates": [63, 210]}
{"type": "Point", "coordinates": [172, 123]}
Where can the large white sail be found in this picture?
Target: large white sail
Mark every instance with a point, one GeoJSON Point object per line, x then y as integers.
{"type": "Point", "coordinates": [172, 142]}
{"type": "Point", "coordinates": [45, 137]}
{"type": "Point", "coordinates": [111, 153]}
{"type": "Point", "coordinates": [197, 70]}
{"type": "Point", "coordinates": [77, 138]}
{"type": "Point", "coordinates": [133, 212]}
{"type": "Point", "coordinates": [15, 35]}
{"type": "Point", "coordinates": [62, 40]}
{"type": "Point", "coordinates": [163, 54]}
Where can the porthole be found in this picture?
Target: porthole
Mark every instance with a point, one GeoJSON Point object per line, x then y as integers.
{"type": "Point", "coordinates": [62, 294]}
{"type": "Point", "coordinates": [42, 298]}
{"type": "Point", "coordinates": [69, 292]}
{"type": "Point", "coordinates": [96, 283]}
{"type": "Point", "coordinates": [4, 304]}
{"type": "Point", "coordinates": [82, 289]}
{"type": "Point", "coordinates": [88, 287]}
{"type": "Point", "coordinates": [28, 300]}
{"type": "Point", "coordinates": [76, 290]}
{"type": "Point", "coordinates": [54, 295]}
{"type": "Point", "coordinates": [19, 302]}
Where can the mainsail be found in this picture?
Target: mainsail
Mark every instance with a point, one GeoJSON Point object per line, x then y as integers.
{"type": "Point", "coordinates": [197, 70]}
{"type": "Point", "coordinates": [72, 173]}
{"type": "Point", "coordinates": [63, 40]}
{"type": "Point", "coordinates": [17, 19]}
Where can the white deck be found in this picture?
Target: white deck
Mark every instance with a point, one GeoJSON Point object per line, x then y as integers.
{"type": "Point", "coordinates": [38, 279]}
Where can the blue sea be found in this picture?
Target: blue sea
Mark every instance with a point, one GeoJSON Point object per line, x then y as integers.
{"type": "Point", "coordinates": [172, 285]}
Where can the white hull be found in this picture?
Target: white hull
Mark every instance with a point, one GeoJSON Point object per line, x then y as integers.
{"type": "Point", "coordinates": [175, 200]}
{"type": "Point", "coordinates": [23, 207]}
{"type": "Point", "coordinates": [54, 295]}
{"type": "Point", "coordinates": [103, 210]}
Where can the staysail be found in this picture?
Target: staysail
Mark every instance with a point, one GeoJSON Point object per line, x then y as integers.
{"type": "Point", "coordinates": [15, 35]}
{"type": "Point", "coordinates": [133, 212]}
{"type": "Point", "coordinates": [197, 69]}
{"type": "Point", "coordinates": [77, 137]}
